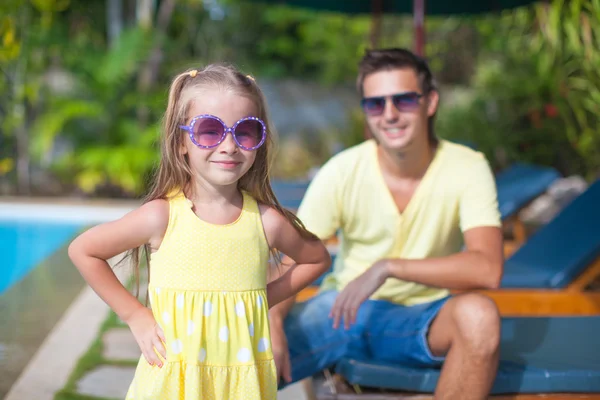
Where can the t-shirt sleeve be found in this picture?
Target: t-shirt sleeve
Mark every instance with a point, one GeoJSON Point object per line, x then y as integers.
{"type": "Point", "coordinates": [320, 209]}
{"type": "Point", "coordinates": [479, 199]}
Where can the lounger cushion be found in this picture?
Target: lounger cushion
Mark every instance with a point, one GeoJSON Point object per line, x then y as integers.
{"type": "Point", "coordinates": [539, 355]}
{"type": "Point", "coordinates": [521, 183]}
{"type": "Point", "coordinates": [555, 255]}
{"type": "Point", "coordinates": [289, 193]}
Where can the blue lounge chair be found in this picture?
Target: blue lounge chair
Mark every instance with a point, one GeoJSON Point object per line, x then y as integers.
{"type": "Point", "coordinates": [289, 193]}
{"type": "Point", "coordinates": [538, 355]}
{"type": "Point", "coordinates": [561, 250]}
{"type": "Point", "coordinates": [519, 184]}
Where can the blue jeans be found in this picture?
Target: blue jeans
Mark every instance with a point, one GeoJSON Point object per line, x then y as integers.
{"type": "Point", "coordinates": [383, 331]}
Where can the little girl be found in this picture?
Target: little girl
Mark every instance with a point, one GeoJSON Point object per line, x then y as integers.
{"type": "Point", "coordinates": [209, 222]}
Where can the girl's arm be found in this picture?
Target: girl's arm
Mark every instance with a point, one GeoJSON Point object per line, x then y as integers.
{"type": "Point", "coordinates": [310, 257]}
{"type": "Point", "coordinates": [91, 250]}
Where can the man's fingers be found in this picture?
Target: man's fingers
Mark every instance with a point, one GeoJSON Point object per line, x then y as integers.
{"type": "Point", "coordinates": [347, 316]}
{"type": "Point", "coordinates": [337, 315]}
{"type": "Point", "coordinates": [343, 311]}
{"type": "Point", "coordinates": [341, 308]}
{"type": "Point", "coordinates": [334, 313]}
{"type": "Point", "coordinates": [354, 309]}
{"type": "Point", "coordinates": [350, 311]}
{"type": "Point", "coordinates": [334, 306]}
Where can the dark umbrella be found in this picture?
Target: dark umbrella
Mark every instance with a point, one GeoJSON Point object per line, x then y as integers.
{"type": "Point", "coordinates": [419, 8]}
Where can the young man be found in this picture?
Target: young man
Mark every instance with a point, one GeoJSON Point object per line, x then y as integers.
{"type": "Point", "coordinates": [403, 204]}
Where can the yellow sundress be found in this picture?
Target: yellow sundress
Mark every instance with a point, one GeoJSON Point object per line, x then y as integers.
{"type": "Point", "coordinates": [207, 291]}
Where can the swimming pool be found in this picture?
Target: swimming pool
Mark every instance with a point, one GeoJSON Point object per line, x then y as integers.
{"type": "Point", "coordinates": [38, 281]}
{"type": "Point", "coordinates": [25, 243]}
{"type": "Point", "coordinates": [30, 232]}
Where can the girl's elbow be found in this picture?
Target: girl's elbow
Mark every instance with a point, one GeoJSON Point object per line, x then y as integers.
{"type": "Point", "coordinates": [75, 252]}
{"type": "Point", "coordinates": [326, 261]}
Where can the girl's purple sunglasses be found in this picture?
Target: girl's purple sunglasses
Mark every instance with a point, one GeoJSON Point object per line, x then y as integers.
{"type": "Point", "coordinates": [207, 131]}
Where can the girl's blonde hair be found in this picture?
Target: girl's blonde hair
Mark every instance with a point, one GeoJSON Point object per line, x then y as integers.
{"type": "Point", "coordinates": [174, 173]}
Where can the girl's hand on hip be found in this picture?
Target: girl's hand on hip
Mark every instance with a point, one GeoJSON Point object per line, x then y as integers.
{"type": "Point", "coordinates": [281, 353]}
{"type": "Point", "coordinates": [148, 335]}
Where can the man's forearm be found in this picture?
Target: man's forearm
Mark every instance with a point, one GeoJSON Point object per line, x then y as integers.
{"type": "Point", "coordinates": [466, 270]}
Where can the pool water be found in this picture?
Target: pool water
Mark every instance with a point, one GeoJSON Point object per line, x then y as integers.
{"type": "Point", "coordinates": [25, 243]}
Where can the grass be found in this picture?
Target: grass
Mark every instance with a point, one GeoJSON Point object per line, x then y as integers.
{"type": "Point", "coordinates": [92, 359]}
{"type": "Point", "coordinates": [74, 396]}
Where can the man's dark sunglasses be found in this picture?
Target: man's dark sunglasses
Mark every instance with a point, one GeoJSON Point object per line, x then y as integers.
{"type": "Point", "coordinates": [406, 101]}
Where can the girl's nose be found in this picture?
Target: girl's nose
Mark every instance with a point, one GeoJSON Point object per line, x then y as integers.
{"type": "Point", "coordinates": [228, 146]}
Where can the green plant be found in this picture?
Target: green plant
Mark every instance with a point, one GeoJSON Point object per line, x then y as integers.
{"type": "Point", "coordinates": [535, 94]}
{"type": "Point", "coordinates": [570, 36]}
{"type": "Point", "coordinates": [109, 146]}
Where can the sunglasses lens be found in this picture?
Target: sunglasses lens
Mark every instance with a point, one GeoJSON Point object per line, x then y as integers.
{"type": "Point", "coordinates": [208, 132]}
{"type": "Point", "coordinates": [406, 101]}
{"type": "Point", "coordinates": [249, 134]}
{"type": "Point", "coordinates": [373, 105]}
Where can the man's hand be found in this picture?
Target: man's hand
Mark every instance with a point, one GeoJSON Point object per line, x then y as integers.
{"type": "Point", "coordinates": [356, 292]}
{"type": "Point", "coordinates": [281, 353]}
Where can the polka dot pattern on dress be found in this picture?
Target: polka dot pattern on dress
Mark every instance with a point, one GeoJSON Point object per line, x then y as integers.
{"type": "Point", "coordinates": [263, 345]}
{"type": "Point", "coordinates": [240, 309]}
{"type": "Point", "coordinates": [224, 334]}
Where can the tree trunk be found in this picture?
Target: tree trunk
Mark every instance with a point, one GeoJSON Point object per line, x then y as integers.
{"type": "Point", "coordinates": [150, 70]}
{"type": "Point", "coordinates": [114, 19]}
{"type": "Point", "coordinates": [144, 13]}
{"type": "Point", "coordinates": [23, 161]}
{"type": "Point", "coordinates": [20, 110]}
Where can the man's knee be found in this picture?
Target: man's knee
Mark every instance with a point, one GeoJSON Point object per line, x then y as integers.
{"type": "Point", "coordinates": [477, 322]}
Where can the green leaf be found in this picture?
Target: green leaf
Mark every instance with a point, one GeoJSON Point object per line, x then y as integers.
{"type": "Point", "coordinates": [123, 60]}
{"type": "Point", "coordinates": [88, 180]}
{"type": "Point", "coordinates": [50, 124]}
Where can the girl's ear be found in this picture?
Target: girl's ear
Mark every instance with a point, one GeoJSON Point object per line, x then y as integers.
{"type": "Point", "coordinates": [182, 148]}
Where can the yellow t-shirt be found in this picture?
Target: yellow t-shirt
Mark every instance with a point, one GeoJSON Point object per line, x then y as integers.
{"type": "Point", "coordinates": [349, 196]}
